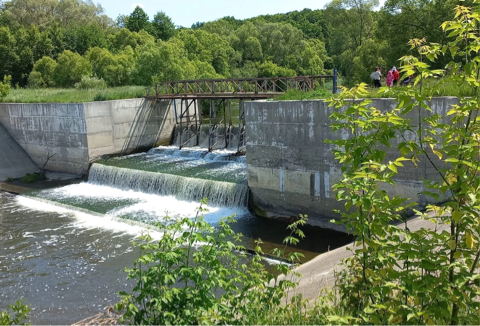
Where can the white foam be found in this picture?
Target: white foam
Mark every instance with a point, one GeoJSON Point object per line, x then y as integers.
{"type": "Point", "coordinates": [153, 207]}
{"type": "Point", "coordinates": [83, 220]}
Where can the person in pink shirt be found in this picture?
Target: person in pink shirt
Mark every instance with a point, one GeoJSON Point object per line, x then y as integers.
{"type": "Point", "coordinates": [389, 79]}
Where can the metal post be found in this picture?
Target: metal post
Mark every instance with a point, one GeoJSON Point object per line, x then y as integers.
{"type": "Point", "coordinates": [181, 125]}
{"type": "Point", "coordinates": [196, 121]}
{"type": "Point", "coordinates": [241, 124]}
{"type": "Point", "coordinates": [225, 120]}
{"type": "Point", "coordinates": [334, 91]}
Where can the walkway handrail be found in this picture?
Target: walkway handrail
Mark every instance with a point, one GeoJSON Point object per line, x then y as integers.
{"type": "Point", "coordinates": [267, 86]}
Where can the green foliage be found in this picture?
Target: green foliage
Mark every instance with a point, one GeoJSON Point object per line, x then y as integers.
{"type": "Point", "coordinates": [115, 69]}
{"type": "Point", "coordinates": [138, 20]}
{"type": "Point", "coordinates": [42, 73]}
{"type": "Point", "coordinates": [162, 26]}
{"type": "Point", "coordinates": [24, 13]}
{"type": "Point", "coordinates": [72, 95]}
{"type": "Point", "coordinates": [399, 275]}
{"type": "Point", "coordinates": [18, 314]}
{"type": "Point", "coordinates": [209, 48]}
{"type": "Point", "coordinates": [70, 69]}
{"type": "Point", "coordinates": [91, 83]}
{"type": "Point", "coordinates": [33, 177]}
{"type": "Point", "coordinates": [269, 69]}
{"type": "Point", "coordinates": [5, 86]}
{"type": "Point", "coordinates": [197, 274]}
{"type": "Point", "coordinates": [80, 38]}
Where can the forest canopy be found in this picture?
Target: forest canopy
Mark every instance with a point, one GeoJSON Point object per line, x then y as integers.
{"type": "Point", "coordinates": [54, 43]}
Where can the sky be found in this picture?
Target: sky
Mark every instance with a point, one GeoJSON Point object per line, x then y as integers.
{"type": "Point", "coordinates": [187, 12]}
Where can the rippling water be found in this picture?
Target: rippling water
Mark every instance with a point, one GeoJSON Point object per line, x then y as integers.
{"type": "Point", "coordinates": [66, 268]}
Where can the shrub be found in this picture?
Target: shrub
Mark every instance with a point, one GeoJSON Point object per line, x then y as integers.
{"type": "Point", "coordinates": [100, 97]}
{"type": "Point", "coordinates": [5, 86]}
{"type": "Point", "coordinates": [70, 69]}
{"type": "Point", "coordinates": [91, 83]}
{"type": "Point", "coordinates": [33, 177]}
{"type": "Point", "coordinates": [42, 73]}
{"type": "Point", "coordinates": [192, 275]}
{"type": "Point", "coordinates": [18, 317]}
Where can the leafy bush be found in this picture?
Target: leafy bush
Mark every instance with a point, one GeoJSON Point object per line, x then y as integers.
{"type": "Point", "coordinates": [19, 316]}
{"type": "Point", "coordinates": [70, 69]}
{"type": "Point", "coordinates": [91, 83]}
{"type": "Point", "coordinates": [100, 97]}
{"type": "Point", "coordinates": [197, 274]}
{"type": "Point", "coordinates": [33, 177]}
{"type": "Point", "coordinates": [42, 73]}
{"type": "Point", "coordinates": [5, 86]}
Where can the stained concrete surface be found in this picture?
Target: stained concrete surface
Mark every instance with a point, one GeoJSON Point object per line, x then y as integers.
{"type": "Point", "coordinates": [72, 135]}
{"type": "Point", "coordinates": [291, 169]}
{"type": "Point", "coordinates": [14, 162]}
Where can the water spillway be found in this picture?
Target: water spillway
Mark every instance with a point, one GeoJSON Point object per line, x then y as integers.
{"type": "Point", "coordinates": [187, 175]}
{"type": "Point", "coordinates": [165, 181]}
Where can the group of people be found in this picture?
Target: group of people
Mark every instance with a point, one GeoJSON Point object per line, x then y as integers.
{"type": "Point", "coordinates": [392, 77]}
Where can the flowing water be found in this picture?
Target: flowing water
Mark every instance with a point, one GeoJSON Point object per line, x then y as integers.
{"type": "Point", "coordinates": [64, 249]}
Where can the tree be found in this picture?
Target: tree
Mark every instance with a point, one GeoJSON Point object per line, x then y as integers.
{"type": "Point", "coordinates": [138, 20]}
{"type": "Point", "coordinates": [269, 69]}
{"type": "Point", "coordinates": [350, 22]}
{"type": "Point", "coordinates": [123, 38]}
{"type": "Point", "coordinates": [162, 26]}
{"type": "Point", "coordinates": [163, 61]}
{"type": "Point", "coordinates": [8, 56]}
{"type": "Point", "coordinates": [42, 73]}
{"type": "Point", "coordinates": [278, 41]}
{"type": "Point", "coordinates": [80, 38]}
{"type": "Point", "coordinates": [70, 69]}
{"type": "Point", "coordinates": [207, 47]}
{"type": "Point", "coordinates": [399, 275]}
{"type": "Point", "coordinates": [415, 19]}
{"type": "Point", "coordinates": [42, 13]}
{"type": "Point", "coordinates": [115, 69]}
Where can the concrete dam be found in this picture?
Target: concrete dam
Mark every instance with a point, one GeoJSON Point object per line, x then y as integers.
{"type": "Point", "coordinates": [289, 169]}
{"type": "Point", "coordinates": [64, 249]}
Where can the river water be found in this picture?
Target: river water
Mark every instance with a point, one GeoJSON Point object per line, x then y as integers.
{"type": "Point", "coordinates": [64, 250]}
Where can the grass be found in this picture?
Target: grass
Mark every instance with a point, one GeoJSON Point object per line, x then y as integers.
{"type": "Point", "coordinates": [72, 95]}
{"type": "Point", "coordinates": [430, 87]}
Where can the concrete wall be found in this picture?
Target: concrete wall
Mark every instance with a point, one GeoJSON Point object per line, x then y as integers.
{"type": "Point", "coordinates": [78, 133]}
{"type": "Point", "coordinates": [122, 127]}
{"type": "Point", "coordinates": [291, 169]}
{"type": "Point", "coordinates": [14, 162]}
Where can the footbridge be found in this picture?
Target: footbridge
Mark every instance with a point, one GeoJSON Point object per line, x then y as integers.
{"type": "Point", "coordinates": [218, 96]}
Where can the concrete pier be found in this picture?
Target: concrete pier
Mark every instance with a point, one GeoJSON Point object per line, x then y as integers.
{"type": "Point", "coordinates": [72, 135]}
{"type": "Point", "coordinates": [291, 169]}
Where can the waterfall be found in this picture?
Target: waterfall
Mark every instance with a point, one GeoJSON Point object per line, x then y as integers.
{"type": "Point", "coordinates": [218, 193]}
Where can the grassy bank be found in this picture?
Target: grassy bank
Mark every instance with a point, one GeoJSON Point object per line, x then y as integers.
{"type": "Point", "coordinates": [430, 87]}
{"type": "Point", "coordinates": [72, 95]}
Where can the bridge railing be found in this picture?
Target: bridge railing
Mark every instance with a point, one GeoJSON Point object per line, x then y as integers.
{"type": "Point", "coordinates": [268, 86]}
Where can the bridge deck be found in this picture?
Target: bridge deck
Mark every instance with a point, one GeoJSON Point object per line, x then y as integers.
{"type": "Point", "coordinates": [238, 88]}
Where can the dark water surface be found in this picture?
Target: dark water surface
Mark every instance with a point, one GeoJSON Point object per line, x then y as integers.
{"type": "Point", "coordinates": [66, 269]}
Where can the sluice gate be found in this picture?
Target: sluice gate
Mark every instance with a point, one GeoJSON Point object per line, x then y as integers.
{"type": "Point", "coordinates": [216, 97]}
